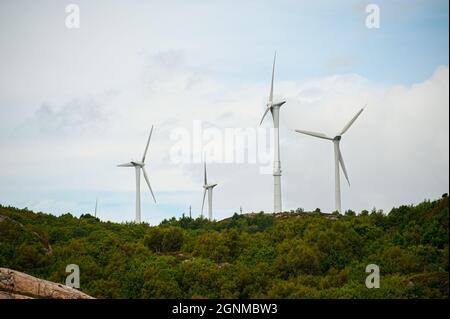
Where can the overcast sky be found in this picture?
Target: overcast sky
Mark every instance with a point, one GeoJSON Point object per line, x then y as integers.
{"type": "Point", "coordinates": [74, 103]}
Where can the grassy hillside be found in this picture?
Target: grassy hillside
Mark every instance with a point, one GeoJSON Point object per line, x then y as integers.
{"type": "Point", "coordinates": [289, 255]}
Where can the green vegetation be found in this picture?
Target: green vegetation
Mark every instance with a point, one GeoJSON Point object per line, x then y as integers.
{"type": "Point", "coordinates": [289, 255]}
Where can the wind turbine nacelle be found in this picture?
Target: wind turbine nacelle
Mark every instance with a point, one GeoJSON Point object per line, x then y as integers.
{"type": "Point", "coordinates": [278, 104]}
{"type": "Point", "coordinates": [337, 138]}
{"type": "Point", "coordinates": [138, 163]}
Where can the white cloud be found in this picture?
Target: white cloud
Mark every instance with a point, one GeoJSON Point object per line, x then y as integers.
{"type": "Point", "coordinates": [396, 152]}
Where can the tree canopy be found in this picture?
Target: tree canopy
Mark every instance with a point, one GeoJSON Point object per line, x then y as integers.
{"type": "Point", "coordinates": [289, 255]}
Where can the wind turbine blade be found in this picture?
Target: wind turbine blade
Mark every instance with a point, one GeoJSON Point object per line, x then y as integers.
{"type": "Point", "coordinates": [205, 179]}
{"type": "Point", "coordinates": [125, 165]}
{"type": "Point", "coordinates": [203, 202]}
{"type": "Point", "coordinates": [267, 110]}
{"type": "Point", "coordinates": [148, 183]}
{"type": "Point", "coordinates": [315, 134]}
{"type": "Point", "coordinates": [271, 83]}
{"type": "Point", "coordinates": [351, 122]}
{"type": "Point", "coordinates": [341, 161]}
{"type": "Point", "coordinates": [148, 142]}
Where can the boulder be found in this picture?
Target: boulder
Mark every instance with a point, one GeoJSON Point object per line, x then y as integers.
{"type": "Point", "coordinates": [18, 285]}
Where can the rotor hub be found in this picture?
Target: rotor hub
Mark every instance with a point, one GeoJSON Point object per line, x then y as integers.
{"type": "Point", "coordinates": [140, 164]}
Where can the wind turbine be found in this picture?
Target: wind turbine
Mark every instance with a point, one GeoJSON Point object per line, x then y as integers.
{"type": "Point", "coordinates": [96, 204]}
{"type": "Point", "coordinates": [207, 188]}
{"type": "Point", "coordinates": [338, 159]}
{"type": "Point", "coordinates": [138, 167]}
{"type": "Point", "coordinates": [274, 108]}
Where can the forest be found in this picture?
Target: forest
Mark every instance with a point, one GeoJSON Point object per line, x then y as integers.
{"type": "Point", "coordinates": [293, 254]}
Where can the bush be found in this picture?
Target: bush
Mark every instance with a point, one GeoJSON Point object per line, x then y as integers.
{"type": "Point", "coordinates": [164, 239]}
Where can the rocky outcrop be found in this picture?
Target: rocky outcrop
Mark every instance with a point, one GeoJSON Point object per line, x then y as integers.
{"type": "Point", "coordinates": [18, 285]}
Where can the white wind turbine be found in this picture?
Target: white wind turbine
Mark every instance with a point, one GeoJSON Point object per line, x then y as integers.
{"type": "Point", "coordinates": [96, 206]}
{"type": "Point", "coordinates": [138, 167]}
{"type": "Point", "coordinates": [338, 159]}
{"type": "Point", "coordinates": [207, 188]}
{"type": "Point", "coordinates": [274, 108]}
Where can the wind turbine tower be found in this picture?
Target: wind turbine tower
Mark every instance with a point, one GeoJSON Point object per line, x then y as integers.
{"type": "Point", "coordinates": [338, 159]}
{"type": "Point", "coordinates": [274, 108]}
{"type": "Point", "coordinates": [96, 205]}
{"type": "Point", "coordinates": [207, 188]}
{"type": "Point", "coordinates": [139, 166]}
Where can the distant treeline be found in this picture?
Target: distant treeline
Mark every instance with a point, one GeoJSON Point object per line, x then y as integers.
{"type": "Point", "coordinates": [288, 255]}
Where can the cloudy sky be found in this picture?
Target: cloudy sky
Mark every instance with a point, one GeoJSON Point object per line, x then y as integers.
{"type": "Point", "coordinates": [74, 103]}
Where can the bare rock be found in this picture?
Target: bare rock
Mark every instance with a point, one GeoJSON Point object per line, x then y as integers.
{"type": "Point", "coordinates": [18, 285]}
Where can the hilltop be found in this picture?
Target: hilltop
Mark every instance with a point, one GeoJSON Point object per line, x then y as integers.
{"type": "Point", "coordinates": [287, 255]}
